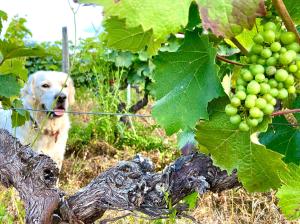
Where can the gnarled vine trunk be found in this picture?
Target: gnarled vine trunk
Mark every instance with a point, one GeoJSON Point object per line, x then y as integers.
{"type": "Point", "coordinates": [130, 185]}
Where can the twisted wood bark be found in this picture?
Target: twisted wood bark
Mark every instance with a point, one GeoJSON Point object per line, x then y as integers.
{"type": "Point", "coordinates": [130, 185]}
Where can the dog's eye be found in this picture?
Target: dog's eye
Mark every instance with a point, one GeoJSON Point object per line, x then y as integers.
{"type": "Point", "coordinates": [65, 85]}
{"type": "Point", "coordinates": [45, 85]}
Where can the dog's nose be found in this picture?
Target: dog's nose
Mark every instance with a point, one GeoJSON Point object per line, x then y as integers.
{"type": "Point", "coordinates": [61, 97]}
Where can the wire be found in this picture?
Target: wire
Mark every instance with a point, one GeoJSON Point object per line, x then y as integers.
{"type": "Point", "coordinates": [115, 114]}
{"type": "Point", "coordinates": [82, 112]}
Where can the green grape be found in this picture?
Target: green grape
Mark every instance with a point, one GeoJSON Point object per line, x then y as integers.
{"type": "Point", "coordinates": [241, 95]}
{"type": "Point", "coordinates": [253, 87]}
{"type": "Point", "coordinates": [260, 119]}
{"type": "Point", "coordinates": [253, 58]}
{"type": "Point", "coordinates": [235, 101]}
{"type": "Point", "coordinates": [276, 55]}
{"type": "Point", "coordinates": [269, 36]}
{"type": "Point", "coordinates": [266, 53]}
{"type": "Point", "coordinates": [264, 88]}
{"type": "Point", "coordinates": [297, 74]}
{"type": "Point", "coordinates": [293, 46]}
{"type": "Point", "coordinates": [256, 48]}
{"type": "Point", "coordinates": [281, 75]}
{"type": "Point", "coordinates": [256, 69]}
{"type": "Point", "coordinates": [274, 92]}
{"type": "Point", "coordinates": [289, 80]}
{"type": "Point", "coordinates": [271, 61]}
{"type": "Point", "coordinates": [247, 76]}
{"type": "Point", "coordinates": [258, 39]}
{"type": "Point", "coordinates": [284, 59]}
{"type": "Point", "coordinates": [241, 82]}
{"type": "Point", "coordinates": [240, 88]}
{"type": "Point", "coordinates": [270, 70]}
{"type": "Point", "coordinates": [273, 83]}
{"type": "Point", "coordinates": [251, 96]}
{"type": "Point", "coordinates": [275, 47]}
{"type": "Point", "coordinates": [260, 77]}
{"type": "Point", "coordinates": [230, 110]}
{"type": "Point", "coordinates": [268, 109]}
{"type": "Point", "coordinates": [261, 61]}
{"type": "Point", "coordinates": [273, 101]}
{"type": "Point", "coordinates": [282, 94]}
{"type": "Point", "coordinates": [283, 50]}
{"type": "Point", "coordinates": [293, 68]}
{"type": "Point", "coordinates": [244, 126]}
{"type": "Point", "coordinates": [250, 101]}
{"type": "Point", "coordinates": [277, 35]}
{"type": "Point", "coordinates": [287, 37]}
{"type": "Point", "coordinates": [252, 122]}
{"type": "Point", "coordinates": [280, 85]}
{"type": "Point", "coordinates": [287, 57]}
{"type": "Point", "coordinates": [291, 89]}
{"type": "Point", "coordinates": [255, 112]}
{"type": "Point", "coordinates": [260, 103]}
{"type": "Point", "coordinates": [270, 26]}
{"type": "Point", "coordinates": [235, 119]}
{"type": "Point", "coordinates": [268, 97]}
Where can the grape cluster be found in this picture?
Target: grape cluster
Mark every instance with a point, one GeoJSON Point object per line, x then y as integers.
{"type": "Point", "coordinates": [274, 68]}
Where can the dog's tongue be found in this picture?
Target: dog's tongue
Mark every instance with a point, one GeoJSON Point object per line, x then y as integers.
{"type": "Point", "coordinates": [59, 112]}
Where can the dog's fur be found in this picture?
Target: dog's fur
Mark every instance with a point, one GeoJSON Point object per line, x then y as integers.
{"type": "Point", "coordinates": [46, 132]}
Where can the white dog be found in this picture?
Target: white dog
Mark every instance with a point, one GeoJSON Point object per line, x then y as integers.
{"type": "Point", "coordinates": [47, 130]}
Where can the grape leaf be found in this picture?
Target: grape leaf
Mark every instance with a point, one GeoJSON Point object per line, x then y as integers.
{"type": "Point", "coordinates": [185, 81]}
{"type": "Point", "coordinates": [11, 50]}
{"type": "Point", "coordinates": [18, 119]}
{"type": "Point", "coordinates": [15, 66]}
{"type": "Point", "coordinates": [231, 149]}
{"type": "Point", "coordinates": [284, 138]}
{"type": "Point", "coordinates": [3, 17]}
{"type": "Point", "coordinates": [289, 192]}
{"type": "Point", "coordinates": [245, 38]}
{"type": "Point", "coordinates": [194, 17]}
{"type": "Point", "coordinates": [121, 37]}
{"type": "Point", "coordinates": [186, 137]}
{"type": "Point", "coordinates": [163, 17]}
{"type": "Point", "coordinates": [9, 86]}
{"type": "Point", "coordinates": [293, 7]}
{"type": "Point", "coordinates": [227, 18]}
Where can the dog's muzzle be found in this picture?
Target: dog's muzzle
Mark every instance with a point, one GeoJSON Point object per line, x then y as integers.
{"type": "Point", "coordinates": [60, 106]}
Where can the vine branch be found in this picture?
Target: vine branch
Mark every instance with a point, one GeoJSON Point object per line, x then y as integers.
{"type": "Point", "coordinates": [283, 112]}
{"type": "Point", "coordinates": [286, 18]}
{"type": "Point", "coordinates": [130, 185]}
{"type": "Point", "coordinates": [221, 58]}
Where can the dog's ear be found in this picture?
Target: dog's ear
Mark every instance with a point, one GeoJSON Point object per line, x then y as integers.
{"type": "Point", "coordinates": [28, 89]}
{"type": "Point", "coordinates": [71, 92]}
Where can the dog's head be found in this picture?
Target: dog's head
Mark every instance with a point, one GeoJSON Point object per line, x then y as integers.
{"type": "Point", "coordinates": [50, 91]}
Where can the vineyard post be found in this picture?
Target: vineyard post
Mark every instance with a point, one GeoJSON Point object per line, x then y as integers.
{"type": "Point", "coordinates": [65, 51]}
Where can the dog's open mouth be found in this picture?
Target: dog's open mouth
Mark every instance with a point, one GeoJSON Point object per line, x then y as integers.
{"type": "Point", "coordinates": [58, 111]}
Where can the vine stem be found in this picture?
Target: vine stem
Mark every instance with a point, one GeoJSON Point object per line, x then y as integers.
{"type": "Point", "coordinates": [283, 112]}
{"type": "Point", "coordinates": [286, 18]}
{"type": "Point", "coordinates": [239, 45]}
{"type": "Point", "coordinates": [221, 58]}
